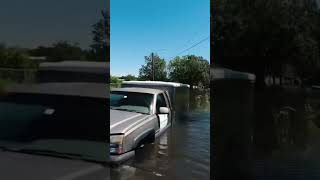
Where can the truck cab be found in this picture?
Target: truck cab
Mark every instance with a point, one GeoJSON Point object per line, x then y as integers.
{"type": "Point", "coordinates": [179, 93]}
{"type": "Point", "coordinates": [137, 117]}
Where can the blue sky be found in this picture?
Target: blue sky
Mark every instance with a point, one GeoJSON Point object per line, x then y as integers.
{"type": "Point", "coordinates": [31, 23]}
{"type": "Point", "coordinates": [166, 27]}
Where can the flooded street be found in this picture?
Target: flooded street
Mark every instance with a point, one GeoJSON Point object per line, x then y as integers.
{"type": "Point", "coordinates": [291, 163]}
{"type": "Point", "coordinates": [182, 152]}
{"type": "Point", "coordinates": [269, 133]}
{"type": "Point", "coordinates": [295, 155]}
{"type": "Point", "coordinates": [284, 133]}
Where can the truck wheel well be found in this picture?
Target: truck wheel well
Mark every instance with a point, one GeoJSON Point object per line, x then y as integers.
{"type": "Point", "coordinates": [146, 138]}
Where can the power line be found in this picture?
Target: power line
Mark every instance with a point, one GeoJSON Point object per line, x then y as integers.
{"type": "Point", "coordinates": [189, 41]}
{"type": "Point", "coordinates": [194, 35]}
{"type": "Point", "coordinates": [194, 45]}
{"type": "Point", "coordinates": [203, 40]}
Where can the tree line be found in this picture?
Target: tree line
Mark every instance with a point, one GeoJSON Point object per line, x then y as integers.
{"type": "Point", "coordinates": [17, 57]}
{"type": "Point", "coordinates": [190, 69]}
{"type": "Point", "coordinates": [262, 36]}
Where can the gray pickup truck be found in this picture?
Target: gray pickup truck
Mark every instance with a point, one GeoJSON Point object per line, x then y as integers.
{"type": "Point", "coordinates": [137, 117]}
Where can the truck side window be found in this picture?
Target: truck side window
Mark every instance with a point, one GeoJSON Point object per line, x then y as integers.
{"type": "Point", "coordinates": [161, 102]}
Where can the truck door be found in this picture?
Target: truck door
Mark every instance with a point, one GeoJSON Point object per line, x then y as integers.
{"type": "Point", "coordinates": [163, 118]}
{"type": "Point", "coordinates": [170, 106]}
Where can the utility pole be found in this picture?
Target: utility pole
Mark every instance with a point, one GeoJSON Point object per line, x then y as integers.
{"type": "Point", "coordinates": [152, 66]}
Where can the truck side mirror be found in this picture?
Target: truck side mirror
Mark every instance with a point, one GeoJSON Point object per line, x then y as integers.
{"type": "Point", "coordinates": [164, 110]}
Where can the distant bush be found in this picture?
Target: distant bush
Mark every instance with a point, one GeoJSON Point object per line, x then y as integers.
{"type": "Point", "coordinates": [115, 81]}
{"type": "Point", "coordinates": [14, 57]}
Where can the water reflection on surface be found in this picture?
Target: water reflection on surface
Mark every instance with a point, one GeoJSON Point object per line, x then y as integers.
{"type": "Point", "coordinates": [286, 136]}
{"type": "Point", "coordinates": [182, 152]}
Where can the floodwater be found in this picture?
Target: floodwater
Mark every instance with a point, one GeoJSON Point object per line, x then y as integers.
{"type": "Point", "coordinates": [284, 131]}
{"type": "Point", "coordinates": [182, 152]}
{"type": "Point", "coordinates": [291, 150]}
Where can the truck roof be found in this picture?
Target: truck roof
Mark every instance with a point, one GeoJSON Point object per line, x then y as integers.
{"type": "Point", "coordinates": [174, 84]}
{"type": "Point", "coordinates": [95, 90]}
{"type": "Point", "coordinates": [139, 90]}
{"type": "Point", "coordinates": [219, 73]}
{"type": "Point", "coordinates": [76, 66]}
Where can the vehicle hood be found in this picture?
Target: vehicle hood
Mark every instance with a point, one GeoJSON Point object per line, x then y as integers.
{"type": "Point", "coordinates": [36, 167]}
{"type": "Point", "coordinates": [121, 120]}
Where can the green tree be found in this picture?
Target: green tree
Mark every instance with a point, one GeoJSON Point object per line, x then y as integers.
{"type": "Point", "coordinates": [256, 35]}
{"type": "Point", "coordinates": [190, 69]}
{"type": "Point", "coordinates": [63, 50]}
{"type": "Point", "coordinates": [160, 73]}
{"type": "Point", "coordinates": [15, 57]}
{"type": "Point", "coordinates": [59, 51]}
{"type": "Point", "coordinates": [115, 80]}
{"type": "Point", "coordinates": [101, 38]}
{"type": "Point", "coordinates": [129, 77]}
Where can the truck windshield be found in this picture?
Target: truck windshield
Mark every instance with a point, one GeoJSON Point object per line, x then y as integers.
{"type": "Point", "coordinates": [131, 101]}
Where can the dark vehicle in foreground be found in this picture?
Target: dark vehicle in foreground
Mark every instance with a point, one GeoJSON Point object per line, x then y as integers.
{"type": "Point", "coordinates": [54, 131]}
{"type": "Point", "coordinates": [137, 117]}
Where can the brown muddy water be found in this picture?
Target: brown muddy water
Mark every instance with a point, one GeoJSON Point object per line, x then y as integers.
{"type": "Point", "coordinates": [182, 152]}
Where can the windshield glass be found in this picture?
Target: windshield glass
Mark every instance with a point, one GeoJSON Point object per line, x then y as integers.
{"type": "Point", "coordinates": [131, 101]}
{"type": "Point", "coordinates": [47, 122]}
